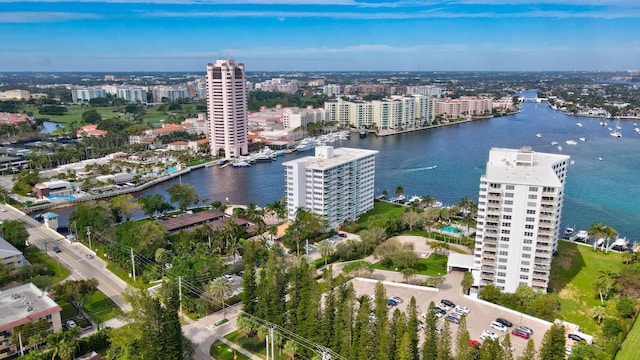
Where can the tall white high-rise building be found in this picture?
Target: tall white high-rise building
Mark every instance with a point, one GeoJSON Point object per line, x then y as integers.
{"type": "Point", "coordinates": [227, 107]}
{"type": "Point", "coordinates": [519, 212]}
{"type": "Point", "coordinates": [335, 183]}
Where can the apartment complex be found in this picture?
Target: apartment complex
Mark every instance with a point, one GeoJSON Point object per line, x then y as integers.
{"type": "Point", "coordinates": [227, 108]}
{"type": "Point", "coordinates": [398, 112]}
{"type": "Point", "coordinates": [466, 105]}
{"type": "Point", "coordinates": [22, 305]}
{"type": "Point", "coordinates": [519, 213]}
{"type": "Point", "coordinates": [84, 95]}
{"type": "Point", "coordinates": [335, 183]}
{"type": "Point", "coordinates": [11, 256]}
{"type": "Point", "coordinates": [293, 118]}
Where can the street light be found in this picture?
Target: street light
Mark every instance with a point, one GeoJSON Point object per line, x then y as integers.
{"type": "Point", "coordinates": [89, 237]}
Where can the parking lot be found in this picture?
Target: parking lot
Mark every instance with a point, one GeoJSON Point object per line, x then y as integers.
{"type": "Point", "coordinates": [479, 318]}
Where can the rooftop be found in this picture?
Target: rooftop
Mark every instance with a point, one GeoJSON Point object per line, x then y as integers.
{"type": "Point", "coordinates": [24, 304]}
{"type": "Point", "coordinates": [523, 166]}
{"type": "Point", "coordinates": [336, 157]}
{"type": "Point", "coordinates": [7, 250]}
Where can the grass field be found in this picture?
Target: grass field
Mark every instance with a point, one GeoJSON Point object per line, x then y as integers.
{"type": "Point", "coordinates": [574, 273]}
{"type": "Point", "coordinates": [434, 265]}
{"type": "Point", "coordinates": [101, 308]}
{"type": "Point", "coordinates": [254, 345]}
{"type": "Point", "coordinates": [222, 351]}
{"type": "Point", "coordinates": [631, 344]}
{"type": "Point", "coordinates": [381, 207]}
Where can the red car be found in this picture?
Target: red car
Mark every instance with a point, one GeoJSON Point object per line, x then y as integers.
{"type": "Point", "coordinates": [521, 334]}
{"type": "Point", "coordinates": [475, 344]}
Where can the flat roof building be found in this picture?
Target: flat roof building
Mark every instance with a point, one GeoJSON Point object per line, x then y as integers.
{"type": "Point", "coordinates": [22, 305]}
{"type": "Point", "coordinates": [335, 183]}
{"type": "Point", "coordinates": [519, 213]}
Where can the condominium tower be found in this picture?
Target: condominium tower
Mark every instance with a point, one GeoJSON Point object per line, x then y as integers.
{"type": "Point", "coordinates": [227, 108]}
{"type": "Point", "coordinates": [519, 212]}
{"type": "Point", "coordinates": [335, 183]}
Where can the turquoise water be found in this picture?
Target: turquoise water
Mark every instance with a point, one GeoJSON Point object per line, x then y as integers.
{"type": "Point", "coordinates": [595, 191]}
{"type": "Point", "coordinates": [452, 229]}
{"type": "Point", "coordinates": [66, 197]}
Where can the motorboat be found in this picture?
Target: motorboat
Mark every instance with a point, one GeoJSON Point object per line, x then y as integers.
{"type": "Point", "coordinates": [363, 133]}
{"type": "Point", "coordinates": [583, 139]}
{"type": "Point", "coordinates": [570, 142]}
{"type": "Point", "coordinates": [240, 163]}
{"type": "Point", "coordinates": [572, 162]}
{"type": "Point", "coordinates": [603, 123]}
{"type": "Point", "coordinates": [620, 244]}
{"type": "Point", "coordinates": [559, 148]}
{"type": "Point", "coordinates": [600, 158]}
{"type": "Point", "coordinates": [581, 236]}
{"type": "Point", "coordinates": [554, 143]}
{"type": "Point", "coordinates": [306, 145]}
{"type": "Point", "coordinates": [538, 135]}
{"type": "Point", "coordinates": [610, 128]}
{"type": "Point", "coordinates": [599, 242]}
{"type": "Point", "coordinates": [579, 124]}
{"type": "Point", "coordinates": [636, 130]}
{"type": "Point", "coordinates": [616, 134]}
{"type": "Point", "coordinates": [568, 232]}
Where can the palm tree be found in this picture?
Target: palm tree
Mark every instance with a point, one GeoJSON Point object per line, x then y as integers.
{"type": "Point", "coordinates": [233, 248]}
{"type": "Point", "coordinates": [597, 231]}
{"type": "Point", "coordinates": [428, 200]}
{"type": "Point", "coordinates": [609, 233]}
{"type": "Point", "coordinates": [468, 220]}
{"type": "Point", "coordinates": [467, 282]}
{"type": "Point", "coordinates": [598, 313]}
{"type": "Point", "coordinates": [606, 283]}
{"type": "Point", "coordinates": [220, 288]}
{"type": "Point", "coordinates": [325, 248]}
{"type": "Point", "coordinates": [399, 191]}
{"type": "Point", "coordinates": [162, 256]}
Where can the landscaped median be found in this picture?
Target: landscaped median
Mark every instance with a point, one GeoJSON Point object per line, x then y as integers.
{"type": "Point", "coordinates": [222, 351]}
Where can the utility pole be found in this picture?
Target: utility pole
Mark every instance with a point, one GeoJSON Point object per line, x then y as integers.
{"type": "Point", "coordinates": [133, 263]}
{"type": "Point", "coordinates": [45, 247]}
{"type": "Point", "coordinates": [306, 247]}
{"type": "Point", "coordinates": [89, 237]}
{"type": "Point", "coordinates": [21, 347]}
{"type": "Point", "coordinates": [179, 292]}
{"type": "Point", "coordinates": [273, 356]}
{"type": "Point", "coordinates": [266, 339]}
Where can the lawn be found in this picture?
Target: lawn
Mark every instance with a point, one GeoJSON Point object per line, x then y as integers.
{"type": "Point", "coordinates": [101, 308]}
{"type": "Point", "coordinates": [574, 272]}
{"type": "Point", "coordinates": [69, 312]}
{"type": "Point", "coordinates": [631, 344]}
{"type": "Point", "coordinates": [222, 351]}
{"type": "Point", "coordinates": [434, 265]}
{"type": "Point", "coordinates": [254, 345]}
{"type": "Point", "coordinates": [381, 207]}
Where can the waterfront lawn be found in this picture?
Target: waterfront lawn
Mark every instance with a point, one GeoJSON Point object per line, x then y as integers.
{"type": "Point", "coordinates": [252, 344]}
{"type": "Point", "coordinates": [574, 272]}
{"type": "Point", "coordinates": [222, 351]}
{"type": "Point", "coordinates": [630, 346]}
{"type": "Point", "coordinates": [381, 208]}
{"type": "Point", "coordinates": [434, 265]}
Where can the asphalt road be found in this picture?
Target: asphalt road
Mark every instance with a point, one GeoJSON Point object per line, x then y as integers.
{"type": "Point", "coordinates": [71, 255]}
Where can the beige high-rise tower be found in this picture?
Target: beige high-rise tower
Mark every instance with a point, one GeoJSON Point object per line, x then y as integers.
{"type": "Point", "coordinates": [227, 108]}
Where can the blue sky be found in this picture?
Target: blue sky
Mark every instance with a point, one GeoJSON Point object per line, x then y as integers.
{"type": "Point", "coordinates": [320, 35]}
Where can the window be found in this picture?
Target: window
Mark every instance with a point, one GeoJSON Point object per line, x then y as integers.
{"type": "Point", "coordinates": [502, 260]}
{"type": "Point", "coordinates": [528, 241]}
{"type": "Point", "coordinates": [531, 212]}
{"type": "Point", "coordinates": [526, 248]}
{"type": "Point", "coordinates": [510, 187]}
{"type": "Point", "coordinates": [525, 263]}
{"type": "Point", "coordinates": [528, 226]}
{"type": "Point", "coordinates": [524, 269]}
{"type": "Point", "coordinates": [530, 219]}
{"type": "Point", "coordinates": [506, 210]}
{"type": "Point", "coordinates": [533, 196]}
{"type": "Point", "coordinates": [505, 231]}
{"type": "Point", "coordinates": [501, 281]}
{"type": "Point", "coordinates": [506, 224]}
{"type": "Point", "coordinates": [508, 202]}
{"type": "Point", "coordinates": [527, 233]}
{"type": "Point", "coordinates": [502, 267]}
{"type": "Point", "coordinates": [504, 238]}
{"type": "Point", "coordinates": [502, 274]}
{"type": "Point", "coordinates": [526, 256]}
{"type": "Point", "coordinates": [504, 253]}
{"type": "Point", "coordinates": [509, 195]}
{"type": "Point", "coordinates": [532, 204]}
{"type": "Point", "coordinates": [524, 277]}
{"type": "Point", "coordinates": [533, 188]}
{"type": "Point", "coordinates": [506, 217]}
{"type": "Point", "coordinates": [504, 246]}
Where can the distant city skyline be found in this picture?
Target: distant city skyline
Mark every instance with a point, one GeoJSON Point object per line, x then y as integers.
{"type": "Point", "coordinates": [320, 35]}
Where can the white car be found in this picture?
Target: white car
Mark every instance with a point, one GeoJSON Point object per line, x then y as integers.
{"type": "Point", "coordinates": [488, 334]}
{"type": "Point", "coordinates": [442, 307]}
{"type": "Point", "coordinates": [228, 277]}
{"type": "Point", "coordinates": [496, 325]}
{"type": "Point", "coordinates": [397, 299]}
{"type": "Point", "coordinates": [71, 324]}
{"type": "Point", "coordinates": [462, 309]}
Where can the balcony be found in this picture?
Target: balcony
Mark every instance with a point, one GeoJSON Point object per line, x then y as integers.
{"type": "Point", "coordinates": [489, 261]}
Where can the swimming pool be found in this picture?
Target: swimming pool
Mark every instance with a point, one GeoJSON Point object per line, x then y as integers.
{"type": "Point", "coordinates": [66, 197]}
{"type": "Point", "coordinates": [452, 229]}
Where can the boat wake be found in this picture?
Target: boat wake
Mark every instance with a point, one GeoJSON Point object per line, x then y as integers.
{"type": "Point", "coordinates": [423, 168]}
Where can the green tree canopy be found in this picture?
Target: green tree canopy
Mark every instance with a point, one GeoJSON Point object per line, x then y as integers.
{"type": "Point", "coordinates": [183, 194]}
{"type": "Point", "coordinates": [91, 117]}
{"type": "Point", "coordinates": [15, 232]}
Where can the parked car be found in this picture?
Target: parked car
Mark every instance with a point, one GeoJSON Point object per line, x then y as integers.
{"type": "Point", "coordinates": [575, 337]}
{"type": "Point", "coordinates": [228, 277]}
{"type": "Point", "coordinates": [498, 326]}
{"type": "Point", "coordinates": [438, 330]}
{"type": "Point", "coordinates": [440, 311]}
{"type": "Point", "coordinates": [452, 319]}
{"type": "Point", "coordinates": [488, 334]}
{"type": "Point", "coordinates": [449, 303]}
{"type": "Point", "coordinates": [89, 256]}
{"type": "Point", "coordinates": [456, 314]}
{"type": "Point", "coordinates": [442, 307]}
{"type": "Point", "coordinates": [519, 333]}
{"type": "Point", "coordinates": [462, 309]}
{"type": "Point", "coordinates": [421, 325]}
{"type": "Point", "coordinates": [475, 344]}
{"type": "Point", "coordinates": [504, 322]}
{"type": "Point", "coordinates": [342, 235]}
{"type": "Point", "coordinates": [391, 302]}
{"type": "Point", "coordinates": [56, 249]}
{"type": "Point", "coordinates": [71, 324]}
{"type": "Point", "coordinates": [522, 328]}
{"type": "Point", "coordinates": [397, 299]}
{"type": "Point", "coordinates": [568, 350]}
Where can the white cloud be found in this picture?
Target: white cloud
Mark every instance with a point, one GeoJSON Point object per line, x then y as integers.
{"type": "Point", "coordinates": [33, 16]}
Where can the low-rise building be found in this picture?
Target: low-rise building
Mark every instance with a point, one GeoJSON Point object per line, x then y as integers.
{"type": "Point", "coordinates": [90, 130]}
{"type": "Point", "coordinates": [11, 256]}
{"type": "Point", "coordinates": [22, 305]}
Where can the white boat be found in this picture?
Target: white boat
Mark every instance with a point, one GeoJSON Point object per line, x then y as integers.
{"type": "Point", "coordinates": [616, 134]}
{"type": "Point", "coordinates": [431, 167]}
{"type": "Point", "coordinates": [554, 143]}
{"type": "Point", "coordinates": [559, 148]}
{"type": "Point", "coordinates": [610, 128]}
{"type": "Point", "coordinates": [636, 130]}
{"type": "Point", "coordinates": [568, 232]}
{"type": "Point", "coordinates": [620, 244]}
{"type": "Point", "coordinates": [599, 242]}
{"type": "Point", "coordinates": [240, 163]}
{"type": "Point", "coordinates": [603, 123]}
{"type": "Point", "coordinates": [583, 139]}
{"type": "Point", "coordinates": [306, 145]}
{"type": "Point", "coordinates": [579, 124]}
{"type": "Point", "coordinates": [570, 142]}
{"type": "Point", "coordinates": [538, 135]}
{"type": "Point", "coordinates": [581, 236]}
{"type": "Point", "coordinates": [572, 162]}
{"type": "Point", "coordinates": [600, 158]}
